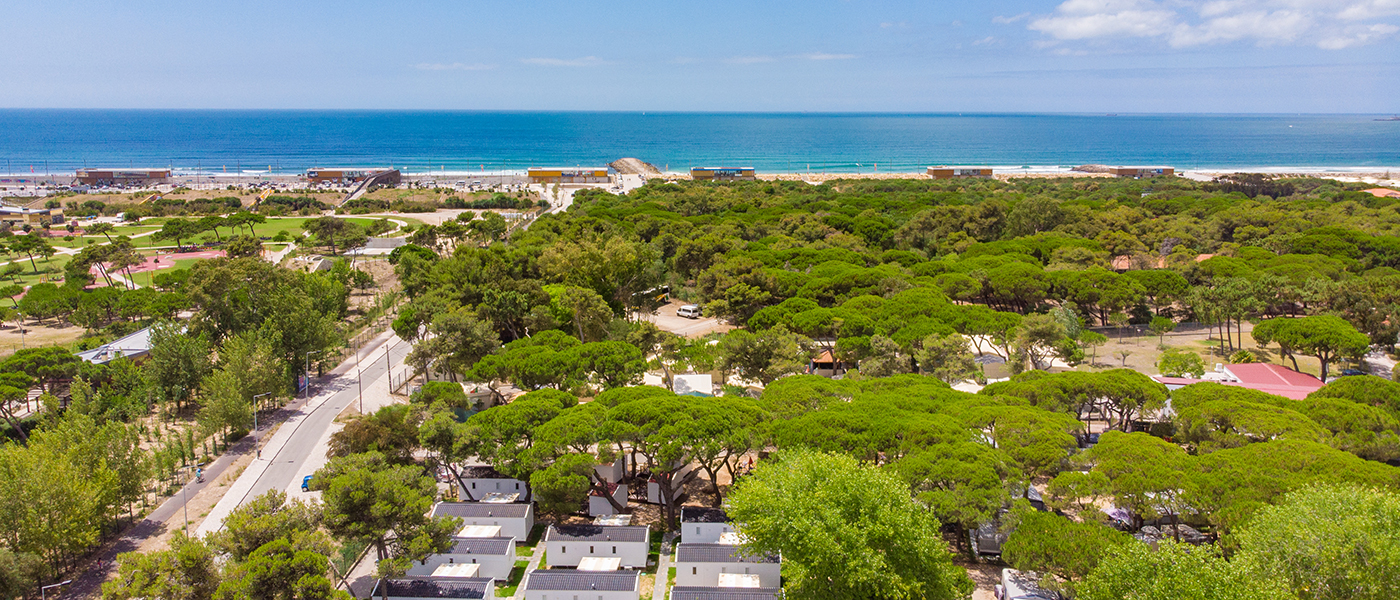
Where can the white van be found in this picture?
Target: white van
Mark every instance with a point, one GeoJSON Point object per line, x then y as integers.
{"type": "Point", "coordinates": [689, 311]}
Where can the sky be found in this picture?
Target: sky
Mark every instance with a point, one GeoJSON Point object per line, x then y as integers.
{"type": "Point", "coordinates": [1127, 56]}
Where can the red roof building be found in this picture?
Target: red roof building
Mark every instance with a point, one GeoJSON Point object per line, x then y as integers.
{"type": "Point", "coordinates": [1265, 377]}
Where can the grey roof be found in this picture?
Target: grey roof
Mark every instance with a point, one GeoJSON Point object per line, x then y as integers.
{"type": "Point", "coordinates": [473, 588]}
{"type": "Point", "coordinates": [481, 510]}
{"type": "Point", "coordinates": [132, 346]}
{"type": "Point", "coordinates": [597, 533]}
{"type": "Point", "coordinates": [682, 592]}
{"type": "Point", "coordinates": [569, 580]}
{"type": "Point", "coordinates": [717, 553]}
{"type": "Point", "coordinates": [702, 514]}
{"type": "Point", "coordinates": [489, 546]}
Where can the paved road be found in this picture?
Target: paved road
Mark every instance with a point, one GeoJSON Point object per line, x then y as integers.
{"type": "Point", "coordinates": [298, 440]}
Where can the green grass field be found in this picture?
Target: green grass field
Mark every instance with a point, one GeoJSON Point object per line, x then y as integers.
{"type": "Point", "coordinates": [50, 269]}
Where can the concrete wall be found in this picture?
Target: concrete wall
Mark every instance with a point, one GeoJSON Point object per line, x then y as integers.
{"type": "Point", "coordinates": [568, 554]}
{"type": "Point", "coordinates": [707, 574]}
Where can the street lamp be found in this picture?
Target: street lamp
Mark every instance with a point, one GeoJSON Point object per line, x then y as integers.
{"type": "Point", "coordinates": [255, 408]}
{"type": "Point", "coordinates": [307, 393]}
{"type": "Point", "coordinates": [43, 591]}
{"type": "Point", "coordinates": [184, 498]}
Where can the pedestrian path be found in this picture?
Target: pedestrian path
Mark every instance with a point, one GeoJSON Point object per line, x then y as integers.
{"type": "Point", "coordinates": [535, 559]}
{"type": "Point", "coordinates": [663, 564]}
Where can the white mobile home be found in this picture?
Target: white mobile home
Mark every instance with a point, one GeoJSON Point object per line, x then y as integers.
{"type": "Point", "coordinates": [710, 593]}
{"type": "Point", "coordinates": [479, 480]}
{"type": "Point", "coordinates": [515, 520]}
{"type": "Point", "coordinates": [566, 545]}
{"type": "Point", "coordinates": [412, 588]}
{"type": "Point", "coordinates": [701, 525]}
{"type": "Point", "coordinates": [599, 505]}
{"type": "Point", "coordinates": [702, 565]}
{"type": "Point", "coordinates": [495, 555]}
{"type": "Point", "coordinates": [567, 584]}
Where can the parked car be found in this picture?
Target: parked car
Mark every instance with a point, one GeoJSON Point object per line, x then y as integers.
{"type": "Point", "coordinates": [689, 311]}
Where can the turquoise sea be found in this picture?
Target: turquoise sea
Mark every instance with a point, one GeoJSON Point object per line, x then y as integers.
{"type": "Point", "coordinates": [292, 141]}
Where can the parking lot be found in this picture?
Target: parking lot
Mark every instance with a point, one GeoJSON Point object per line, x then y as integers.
{"type": "Point", "coordinates": [666, 320]}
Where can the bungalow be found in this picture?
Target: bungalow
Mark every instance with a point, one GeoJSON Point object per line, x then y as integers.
{"type": "Point", "coordinates": [514, 520]}
{"type": "Point", "coordinates": [483, 479]}
{"type": "Point", "coordinates": [564, 584]}
{"type": "Point", "coordinates": [598, 504]}
{"type": "Point", "coordinates": [826, 365]}
{"type": "Point", "coordinates": [701, 525]}
{"type": "Point", "coordinates": [1265, 377]}
{"type": "Point", "coordinates": [567, 545]}
{"type": "Point", "coordinates": [466, 588]}
{"type": "Point", "coordinates": [703, 565]}
{"type": "Point", "coordinates": [724, 593]}
{"type": "Point", "coordinates": [135, 347]}
{"type": "Point", "coordinates": [496, 555]}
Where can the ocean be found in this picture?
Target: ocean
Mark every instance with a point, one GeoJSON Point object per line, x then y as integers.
{"type": "Point", "coordinates": [288, 141]}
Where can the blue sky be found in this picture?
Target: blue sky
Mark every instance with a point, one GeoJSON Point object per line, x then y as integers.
{"type": "Point", "coordinates": [820, 55]}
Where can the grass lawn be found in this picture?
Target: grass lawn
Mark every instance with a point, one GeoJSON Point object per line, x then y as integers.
{"type": "Point", "coordinates": [506, 589]}
{"type": "Point", "coordinates": [49, 269]}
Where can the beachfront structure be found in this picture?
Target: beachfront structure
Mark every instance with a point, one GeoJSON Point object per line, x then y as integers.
{"type": "Point", "coordinates": [33, 217]}
{"type": "Point", "coordinates": [122, 176]}
{"type": "Point", "coordinates": [352, 175]}
{"type": "Point", "coordinates": [134, 347]}
{"type": "Point", "coordinates": [703, 525]}
{"type": "Point", "coordinates": [478, 480]}
{"type": "Point", "coordinates": [494, 555]}
{"type": "Point", "coordinates": [564, 584]}
{"type": "Point", "coordinates": [567, 545]}
{"type": "Point", "coordinates": [514, 519]}
{"type": "Point", "coordinates": [703, 565]}
{"type": "Point", "coordinates": [569, 175]}
{"type": "Point", "coordinates": [1139, 172]}
{"type": "Point", "coordinates": [1383, 193]}
{"type": "Point", "coordinates": [722, 173]}
{"type": "Point", "coordinates": [945, 172]}
{"type": "Point", "coordinates": [412, 588]}
{"type": "Point", "coordinates": [1264, 377]}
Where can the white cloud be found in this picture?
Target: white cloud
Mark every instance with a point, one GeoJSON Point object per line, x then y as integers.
{"type": "Point", "coordinates": [587, 61]}
{"type": "Point", "coordinates": [1328, 24]}
{"type": "Point", "coordinates": [986, 40]}
{"type": "Point", "coordinates": [452, 67]}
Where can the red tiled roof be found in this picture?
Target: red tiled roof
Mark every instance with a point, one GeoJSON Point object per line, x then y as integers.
{"type": "Point", "coordinates": [1263, 377]}
{"type": "Point", "coordinates": [1272, 374]}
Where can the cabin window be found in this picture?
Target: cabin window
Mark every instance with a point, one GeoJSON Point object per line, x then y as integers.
{"type": "Point", "coordinates": [697, 531]}
{"type": "Point", "coordinates": [614, 549]}
{"type": "Point", "coordinates": [694, 570]}
{"type": "Point", "coordinates": [473, 485]}
{"type": "Point", "coordinates": [590, 549]}
{"type": "Point", "coordinates": [563, 549]}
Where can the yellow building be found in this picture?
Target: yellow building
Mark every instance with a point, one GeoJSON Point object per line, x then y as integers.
{"type": "Point", "coordinates": [569, 175]}
{"type": "Point", "coordinates": [958, 172]}
{"type": "Point", "coordinates": [722, 173]}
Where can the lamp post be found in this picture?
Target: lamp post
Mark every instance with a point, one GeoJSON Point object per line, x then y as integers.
{"type": "Point", "coordinates": [43, 591]}
{"type": "Point", "coordinates": [255, 408]}
{"type": "Point", "coordinates": [184, 499]}
{"type": "Point", "coordinates": [307, 393]}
